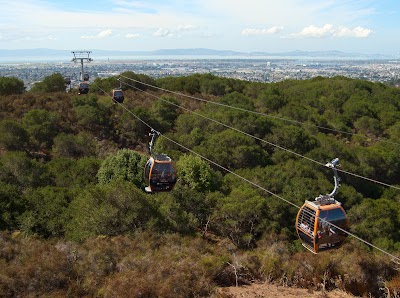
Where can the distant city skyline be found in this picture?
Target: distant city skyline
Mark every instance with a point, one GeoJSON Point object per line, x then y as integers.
{"type": "Point", "coordinates": [362, 26]}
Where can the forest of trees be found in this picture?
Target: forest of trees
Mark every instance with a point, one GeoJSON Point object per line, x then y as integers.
{"type": "Point", "coordinates": [75, 220]}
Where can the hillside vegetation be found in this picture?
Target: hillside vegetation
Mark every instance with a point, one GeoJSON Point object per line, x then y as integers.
{"type": "Point", "coordinates": [75, 220]}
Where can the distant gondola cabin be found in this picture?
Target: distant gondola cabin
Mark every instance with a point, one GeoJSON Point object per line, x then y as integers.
{"type": "Point", "coordinates": [83, 88]}
{"type": "Point", "coordinates": [313, 225]}
{"type": "Point", "coordinates": [118, 95]}
{"type": "Point", "coordinates": [159, 174]}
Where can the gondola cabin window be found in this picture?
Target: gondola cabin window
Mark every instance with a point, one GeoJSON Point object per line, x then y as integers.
{"type": "Point", "coordinates": [306, 226]}
{"type": "Point", "coordinates": [162, 170]}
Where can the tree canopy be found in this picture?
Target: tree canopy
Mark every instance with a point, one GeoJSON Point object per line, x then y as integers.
{"type": "Point", "coordinates": [52, 83]}
{"type": "Point", "coordinates": [71, 168]}
{"type": "Point", "coordinates": [10, 85]}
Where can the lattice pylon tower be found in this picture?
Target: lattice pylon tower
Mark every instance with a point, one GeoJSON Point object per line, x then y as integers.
{"type": "Point", "coordinates": [82, 56]}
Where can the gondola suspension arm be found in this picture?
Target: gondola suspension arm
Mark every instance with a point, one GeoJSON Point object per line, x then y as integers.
{"type": "Point", "coordinates": [331, 196]}
{"type": "Point", "coordinates": [154, 135]}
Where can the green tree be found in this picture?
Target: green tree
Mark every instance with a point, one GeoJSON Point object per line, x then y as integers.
{"type": "Point", "coordinates": [293, 138]}
{"type": "Point", "coordinates": [12, 135]}
{"type": "Point", "coordinates": [380, 162]}
{"type": "Point", "coordinates": [91, 114]}
{"type": "Point", "coordinates": [109, 209]}
{"type": "Point", "coordinates": [9, 86]}
{"type": "Point", "coordinates": [134, 81]}
{"type": "Point", "coordinates": [367, 125]}
{"type": "Point", "coordinates": [238, 100]}
{"type": "Point", "coordinates": [178, 211]}
{"type": "Point", "coordinates": [233, 150]}
{"type": "Point", "coordinates": [376, 221]}
{"type": "Point", "coordinates": [190, 130]}
{"type": "Point", "coordinates": [272, 98]}
{"type": "Point", "coordinates": [66, 172]}
{"type": "Point", "coordinates": [46, 211]}
{"type": "Point", "coordinates": [125, 165]}
{"type": "Point", "coordinates": [75, 146]}
{"type": "Point", "coordinates": [52, 83]}
{"type": "Point", "coordinates": [241, 216]}
{"type": "Point", "coordinates": [90, 117]}
{"type": "Point", "coordinates": [41, 126]}
{"type": "Point", "coordinates": [106, 84]}
{"type": "Point", "coordinates": [394, 132]}
{"type": "Point", "coordinates": [165, 112]}
{"type": "Point", "coordinates": [197, 174]}
{"type": "Point", "coordinates": [357, 107]}
{"type": "Point", "coordinates": [130, 130]}
{"type": "Point", "coordinates": [18, 169]}
{"type": "Point", "coordinates": [11, 206]}
{"type": "Point", "coordinates": [212, 85]}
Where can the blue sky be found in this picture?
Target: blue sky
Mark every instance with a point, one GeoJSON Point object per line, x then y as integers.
{"type": "Point", "coordinates": [363, 26]}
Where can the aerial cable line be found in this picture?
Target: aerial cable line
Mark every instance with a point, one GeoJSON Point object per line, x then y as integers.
{"type": "Point", "coordinates": [125, 108]}
{"type": "Point", "coordinates": [255, 112]}
{"type": "Point", "coordinates": [262, 140]}
{"type": "Point", "coordinates": [255, 184]}
{"type": "Point", "coordinates": [281, 198]}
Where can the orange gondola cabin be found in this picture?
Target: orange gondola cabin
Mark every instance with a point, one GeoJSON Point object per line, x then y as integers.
{"type": "Point", "coordinates": [322, 224]}
{"type": "Point", "coordinates": [159, 171]}
{"type": "Point", "coordinates": [159, 174]}
{"type": "Point", "coordinates": [314, 225]}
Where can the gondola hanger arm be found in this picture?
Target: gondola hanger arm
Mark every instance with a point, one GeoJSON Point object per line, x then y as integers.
{"type": "Point", "coordinates": [154, 135]}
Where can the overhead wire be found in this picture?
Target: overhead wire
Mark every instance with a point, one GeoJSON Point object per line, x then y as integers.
{"type": "Point", "coordinates": [253, 183]}
{"type": "Point", "coordinates": [125, 108]}
{"type": "Point", "coordinates": [262, 140]}
{"type": "Point", "coordinates": [253, 112]}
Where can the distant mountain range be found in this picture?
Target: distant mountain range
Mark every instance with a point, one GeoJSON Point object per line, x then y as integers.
{"type": "Point", "coordinates": [187, 52]}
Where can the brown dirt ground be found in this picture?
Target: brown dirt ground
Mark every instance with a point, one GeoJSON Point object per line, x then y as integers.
{"type": "Point", "coordinates": [272, 291]}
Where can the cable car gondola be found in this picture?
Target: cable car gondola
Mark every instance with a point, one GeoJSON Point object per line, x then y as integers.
{"type": "Point", "coordinates": [118, 95]}
{"type": "Point", "coordinates": [321, 224]}
{"type": "Point", "coordinates": [83, 88]}
{"type": "Point", "coordinates": [86, 77]}
{"type": "Point", "coordinates": [159, 171]}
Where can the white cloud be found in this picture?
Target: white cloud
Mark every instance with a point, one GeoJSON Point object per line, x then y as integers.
{"type": "Point", "coordinates": [358, 32]}
{"type": "Point", "coordinates": [104, 33]}
{"type": "Point", "coordinates": [101, 35]}
{"type": "Point", "coordinates": [265, 31]}
{"type": "Point", "coordinates": [162, 32]}
{"type": "Point", "coordinates": [132, 35]}
{"type": "Point", "coordinates": [329, 31]}
{"type": "Point", "coordinates": [317, 32]}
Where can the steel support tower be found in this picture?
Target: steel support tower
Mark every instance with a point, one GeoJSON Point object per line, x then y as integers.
{"type": "Point", "coordinates": [82, 56]}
